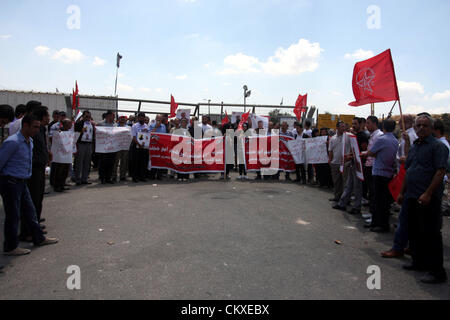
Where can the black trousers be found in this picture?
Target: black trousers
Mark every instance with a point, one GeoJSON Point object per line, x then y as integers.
{"type": "Point", "coordinates": [52, 174]}
{"type": "Point", "coordinates": [36, 187]}
{"type": "Point", "coordinates": [242, 171]}
{"type": "Point", "coordinates": [61, 173]}
{"type": "Point", "coordinates": [139, 164]}
{"type": "Point", "coordinates": [106, 166]}
{"type": "Point", "coordinates": [368, 179]}
{"type": "Point", "coordinates": [425, 238]}
{"type": "Point", "coordinates": [383, 200]}
{"type": "Point", "coordinates": [301, 172]}
{"type": "Point", "coordinates": [323, 172]}
{"type": "Point", "coordinates": [310, 173]}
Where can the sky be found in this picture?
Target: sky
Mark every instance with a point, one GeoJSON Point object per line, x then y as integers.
{"type": "Point", "coordinates": [201, 50]}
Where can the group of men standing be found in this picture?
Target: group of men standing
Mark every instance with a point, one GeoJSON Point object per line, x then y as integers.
{"type": "Point", "coordinates": [423, 153]}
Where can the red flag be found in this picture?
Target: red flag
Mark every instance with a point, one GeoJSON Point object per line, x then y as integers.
{"type": "Point", "coordinates": [374, 80]}
{"type": "Point", "coordinates": [244, 119]}
{"type": "Point", "coordinates": [395, 186]}
{"type": "Point", "coordinates": [74, 100]}
{"type": "Point", "coordinates": [225, 120]}
{"type": "Point", "coordinates": [300, 106]}
{"type": "Point", "coordinates": [173, 107]}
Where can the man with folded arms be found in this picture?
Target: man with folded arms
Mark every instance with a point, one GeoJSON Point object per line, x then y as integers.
{"type": "Point", "coordinates": [15, 169]}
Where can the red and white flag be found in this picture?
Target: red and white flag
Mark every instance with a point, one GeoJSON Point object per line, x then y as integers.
{"type": "Point", "coordinates": [300, 106]}
{"type": "Point", "coordinates": [374, 80]}
{"type": "Point", "coordinates": [173, 107]}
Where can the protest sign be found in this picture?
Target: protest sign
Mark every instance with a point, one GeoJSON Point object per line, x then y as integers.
{"type": "Point", "coordinates": [297, 149]}
{"type": "Point", "coordinates": [316, 150]}
{"type": "Point", "coordinates": [144, 137]}
{"type": "Point", "coordinates": [255, 119]}
{"type": "Point", "coordinates": [268, 154]}
{"type": "Point", "coordinates": [184, 114]}
{"type": "Point", "coordinates": [62, 146]}
{"type": "Point", "coordinates": [185, 154]}
{"type": "Point", "coordinates": [112, 139]}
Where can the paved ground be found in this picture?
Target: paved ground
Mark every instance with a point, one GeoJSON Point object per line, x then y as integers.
{"type": "Point", "coordinates": [208, 240]}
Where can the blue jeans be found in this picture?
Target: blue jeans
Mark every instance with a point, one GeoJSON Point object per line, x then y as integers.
{"type": "Point", "coordinates": [16, 198]}
{"type": "Point", "coordinates": [401, 234]}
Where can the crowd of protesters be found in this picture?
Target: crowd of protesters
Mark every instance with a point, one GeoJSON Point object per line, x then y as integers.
{"type": "Point", "coordinates": [421, 148]}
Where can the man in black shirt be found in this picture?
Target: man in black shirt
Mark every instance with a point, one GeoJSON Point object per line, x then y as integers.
{"type": "Point", "coordinates": [36, 183]}
{"type": "Point", "coordinates": [422, 191]}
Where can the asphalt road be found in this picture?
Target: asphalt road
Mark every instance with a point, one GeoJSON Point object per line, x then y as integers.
{"type": "Point", "coordinates": [208, 240]}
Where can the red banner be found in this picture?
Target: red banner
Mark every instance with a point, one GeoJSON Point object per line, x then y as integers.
{"type": "Point", "coordinates": [187, 155]}
{"type": "Point", "coordinates": [268, 152]}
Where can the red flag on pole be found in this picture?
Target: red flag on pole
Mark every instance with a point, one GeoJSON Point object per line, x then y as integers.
{"type": "Point", "coordinates": [374, 80]}
{"type": "Point", "coordinates": [75, 101]}
{"type": "Point", "coordinates": [300, 106]}
{"type": "Point", "coordinates": [244, 119]}
{"type": "Point", "coordinates": [225, 120]}
{"type": "Point", "coordinates": [173, 107]}
{"type": "Point", "coordinates": [395, 186]}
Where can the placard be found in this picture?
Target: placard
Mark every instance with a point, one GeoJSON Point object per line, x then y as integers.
{"type": "Point", "coordinates": [316, 150]}
{"type": "Point", "coordinates": [112, 139]}
{"type": "Point", "coordinates": [62, 146]}
{"type": "Point", "coordinates": [297, 148]}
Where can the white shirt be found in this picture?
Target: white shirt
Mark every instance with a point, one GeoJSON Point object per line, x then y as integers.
{"type": "Point", "coordinates": [15, 127]}
{"type": "Point", "coordinates": [206, 127]}
{"type": "Point", "coordinates": [53, 129]}
{"type": "Point", "coordinates": [444, 141]}
{"type": "Point", "coordinates": [137, 128]}
{"type": "Point", "coordinates": [308, 133]}
{"type": "Point", "coordinates": [373, 138]}
{"type": "Point", "coordinates": [335, 146]}
{"type": "Point", "coordinates": [412, 137]}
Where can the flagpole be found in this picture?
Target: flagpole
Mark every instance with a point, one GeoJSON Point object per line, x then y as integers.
{"type": "Point", "coordinates": [401, 114]}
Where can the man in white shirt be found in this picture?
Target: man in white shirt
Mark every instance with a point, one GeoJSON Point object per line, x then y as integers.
{"type": "Point", "coordinates": [16, 125]}
{"type": "Point", "coordinates": [205, 124]}
{"type": "Point", "coordinates": [405, 145]}
{"type": "Point", "coordinates": [335, 149]}
{"type": "Point", "coordinates": [308, 130]}
{"type": "Point", "coordinates": [375, 133]}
